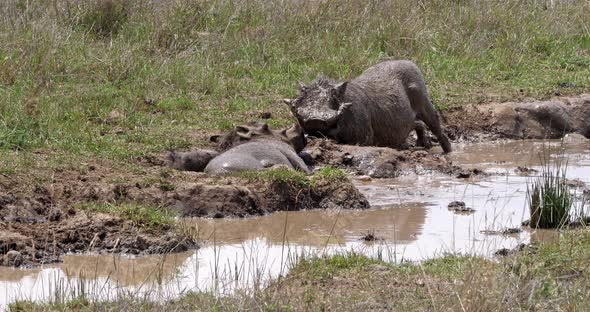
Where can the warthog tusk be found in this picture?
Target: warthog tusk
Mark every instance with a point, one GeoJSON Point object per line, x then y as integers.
{"type": "Point", "coordinates": [343, 107]}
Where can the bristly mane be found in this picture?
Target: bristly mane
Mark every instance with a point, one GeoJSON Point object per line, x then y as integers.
{"type": "Point", "coordinates": [323, 82]}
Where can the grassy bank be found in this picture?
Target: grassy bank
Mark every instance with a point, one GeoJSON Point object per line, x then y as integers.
{"type": "Point", "coordinates": [548, 277]}
{"type": "Point", "coordinates": [121, 78]}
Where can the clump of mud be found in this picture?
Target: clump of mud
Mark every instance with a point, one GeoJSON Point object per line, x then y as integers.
{"type": "Point", "coordinates": [383, 162]}
{"type": "Point", "coordinates": [239, 197]}
{"type": "Point", "coordinates": [459, 207]}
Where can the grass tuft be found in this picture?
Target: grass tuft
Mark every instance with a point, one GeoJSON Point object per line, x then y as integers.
{"type": "Point", "coordinates": [147, 217]}
{"type": "Point", "coordinates": [295, 178]}
{"type": "Point", "coordinates": [330, 174]}
{"type": "Point", "coordinates": [549, 196]}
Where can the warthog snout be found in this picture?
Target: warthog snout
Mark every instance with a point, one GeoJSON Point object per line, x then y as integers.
{"type": "Point", "coordinates": [316, 124]}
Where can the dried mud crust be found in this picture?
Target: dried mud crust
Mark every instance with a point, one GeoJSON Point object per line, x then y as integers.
{"type": "Point", "coordinates": [41, 219]}
{"type": "Point", "coordinates": [549, 119]}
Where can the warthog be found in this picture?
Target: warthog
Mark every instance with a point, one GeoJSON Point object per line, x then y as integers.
{"type": "Point", "coordinates": [380, 107]}
{"type": "Point", "coordinates": [249, 147]}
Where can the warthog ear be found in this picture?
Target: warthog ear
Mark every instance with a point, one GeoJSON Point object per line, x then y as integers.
{"type": "Point", "coordinates": [264, 127]}
{"type": "Point", "coordinates": [242, 129]}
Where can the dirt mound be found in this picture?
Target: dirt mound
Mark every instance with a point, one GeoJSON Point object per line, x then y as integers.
{"type": "Point", "coordinates": [42, 215]}
{"type": "Point", "coordinates": [235, 197]}
{"type": "Point", "coordinates": [550, 119]}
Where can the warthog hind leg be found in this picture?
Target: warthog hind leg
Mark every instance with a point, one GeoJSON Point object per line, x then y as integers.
{"type": "Point", "coordinates": [427, 113]}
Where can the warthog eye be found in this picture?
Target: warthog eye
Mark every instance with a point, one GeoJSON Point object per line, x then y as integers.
{"type": "Point", "coordinates": [334, 103]}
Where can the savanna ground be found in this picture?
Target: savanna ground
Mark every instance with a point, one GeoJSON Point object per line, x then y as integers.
{"type": "Point", "coordinates": [111, 83]}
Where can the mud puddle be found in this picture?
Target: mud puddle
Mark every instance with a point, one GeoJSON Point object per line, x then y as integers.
{"type": "Point", "coordinates": [410, 220]}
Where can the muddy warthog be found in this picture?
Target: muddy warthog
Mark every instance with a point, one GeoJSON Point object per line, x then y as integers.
{"type": "Point", "coordinates": [380, 107]}
{"type": "Point", "coordinates": [248, 147]}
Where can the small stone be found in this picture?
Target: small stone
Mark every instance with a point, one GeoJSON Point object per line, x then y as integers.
{"type": "Point", "coordinates": [364, 178]}
{"type": "Point", "coordinates": [456, 204]}
{"type": "Point", "coordinates": [460, 208]}
{"type": "Point", "coordinates": [13, 258]}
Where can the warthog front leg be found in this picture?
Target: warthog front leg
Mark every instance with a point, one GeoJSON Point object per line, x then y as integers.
{"type": "Point", "coordinates": [423, 139]}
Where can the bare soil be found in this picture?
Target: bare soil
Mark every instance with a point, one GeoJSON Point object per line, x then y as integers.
{"type": "Point", "coordinates": [40, 215]}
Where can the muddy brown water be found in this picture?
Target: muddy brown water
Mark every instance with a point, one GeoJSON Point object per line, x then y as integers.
{"type": "Point", "coordinates": [409, 218]}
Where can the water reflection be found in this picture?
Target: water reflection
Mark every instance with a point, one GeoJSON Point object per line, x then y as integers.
{"type": "Point", "coordinates": [317, 228]}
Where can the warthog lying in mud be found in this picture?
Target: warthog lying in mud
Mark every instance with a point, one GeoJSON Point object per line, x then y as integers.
{"type": "Point", "coordinates": [249, 147]}
{"type": "Point", "coordinates": [379, 108]}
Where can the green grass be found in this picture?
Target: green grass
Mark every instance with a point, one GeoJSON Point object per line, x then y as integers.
{"type": "Point", "coordinates": [175, 70]}
{"type": "Point", "coordinates": [330, 174]}
{"type": "Point", "coordinates": [295, 178]}
{"type": "Point", "coordinates": [146, 217]}
{"type": "Point", "coordinates": [549, 196]}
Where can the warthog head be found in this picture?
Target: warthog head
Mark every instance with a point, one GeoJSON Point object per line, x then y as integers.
{"type": "Point", "coordinates": [293, 136]}
{"type": "Point", "coordinates": [319, 106]}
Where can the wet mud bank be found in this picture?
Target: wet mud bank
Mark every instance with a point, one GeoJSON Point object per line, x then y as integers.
{"type": "Point", "coordinates": [42, 219]}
